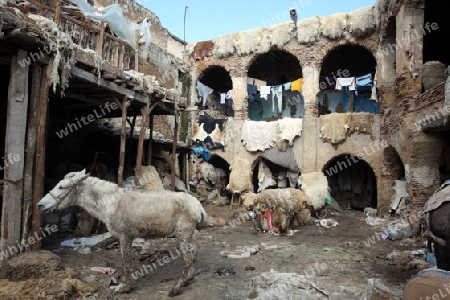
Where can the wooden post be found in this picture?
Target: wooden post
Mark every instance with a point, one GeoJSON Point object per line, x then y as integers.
{"type": "Point", "coordinates": [58, 12]}
{"type": "Point", "coordinates": [99, 48]}
{"type": "Point", "coordinates": [42, 108]}
{"type": "Point", "coordinates": [13, 162]}
{"type": "Point", "coordinates": [150, 141]}
{"type": "Point", "coordinates": [123, 139]}
{"type": "Point", "coordinates": [136, 53]}
{"type": "Point", "coordinates": [121, 49]}
{"type": "Point", "coordinates": [140, 147]}
{"type": "Point", "coordinates": [174, 152]}
{"type": "Point", "coordinates": [36, 76]}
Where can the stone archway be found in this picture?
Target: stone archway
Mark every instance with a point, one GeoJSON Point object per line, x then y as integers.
{"type": "Point", "coordinates": [347, 61]}
{"type": "Point", "coordinates": [352, 182]}
{"type": "Point", "coordinates": [275, 69]}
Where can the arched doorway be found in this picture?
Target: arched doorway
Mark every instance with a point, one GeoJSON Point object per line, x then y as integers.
{"type": "Point", "coordinates": [342, 63]}
{"type": "Point", "coordinates": [352, 182]}
{"type": "Point", "coordinates": [277, 70]}
{"type": "Point", "coordinates": [213, 87]}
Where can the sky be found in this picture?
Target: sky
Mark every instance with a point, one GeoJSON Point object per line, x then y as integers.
{"type": "Point", "coordinates": [209, 19]}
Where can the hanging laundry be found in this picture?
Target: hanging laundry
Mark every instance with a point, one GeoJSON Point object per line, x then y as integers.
{"type": "Point", "coordinates": [287, 86]}
{"type": "Point", "coordinates": [265, 90]}
{"type": "Point", "coordinates": [364, 81]}
{"type": "Point", "coordinates": [252, 91]}
{"type": "Point", "coordinates": [277, 92]}
{"type": "Point", "coordinates": [297, 85]}
{"type": "Point", "coordinates": [374, 95]}
{"type": "Point", "coordinates": [330, 80]}
{"type": "Point", "coordinates": [250, 80]}
{"type": "Point", "coordinates": [260, 83]}
{"type": "Point", "coordinates": [203, 92]}
{"type": "Point", "coordinates": [350, 82]}
{"type": "Point", "coordinates": [222, 98]}
{"type": "Point", "coordinates": [229, 94]}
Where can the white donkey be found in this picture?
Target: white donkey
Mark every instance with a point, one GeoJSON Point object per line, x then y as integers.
{"type": "Point", "coordinates": [131, 213]}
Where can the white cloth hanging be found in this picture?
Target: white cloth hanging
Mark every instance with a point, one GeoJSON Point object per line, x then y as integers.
{"type": "Point", "coordinates": [346, 81]}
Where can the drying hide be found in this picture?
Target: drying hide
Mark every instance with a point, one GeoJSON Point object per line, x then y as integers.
{"type": "Point", "coordinates": [209, 173]}
{"type": "Point", "coordinates": [259, 136]}
{"type": "Point", "coordinates": [130, 213]}
{"type": "Point", "coordinates": [209, 133]}
{"type": "Point", "coordinates": [265, 177]}
{"type": "Point", "coordinates": [315, 186]}
{"type": "Point", "coordinates": [334, 127]}
{"type": "Point", "coordinates": [275, 208]}
{"type": "Point", "coordinates": [361, 122]}
{"type": "Point", "coordinates": [289, 129]}
{"type": "Point", "coordinates": [150, 179]}
{"type": "Point", "coordinates": [240, 177]}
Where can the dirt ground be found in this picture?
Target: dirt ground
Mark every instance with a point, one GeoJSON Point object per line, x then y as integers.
{"type": "Point", "coordinates": [338, 260]}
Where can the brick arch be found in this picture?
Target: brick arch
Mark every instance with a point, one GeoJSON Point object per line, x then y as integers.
{"type": "Point", "coordinates": [353, 181]}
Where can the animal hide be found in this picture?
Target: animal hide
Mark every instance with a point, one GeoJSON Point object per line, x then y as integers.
{"type": "Point", "coordinates": [315, 186]}
{"type": "Point", "coordinates": [209, 133]}
{"type": "Point", "coordinates": [289, 128]}
{"type": "Point", "coordinates": [334, 127]}
{"type": "Point", "coordinates": [265, 177]}
{"type": "Point", "coordinates": [275, 208]}
{"type": "Point", "coordinates": [203, 49]}
{"type": "Point", "coordinates": [258, 136]}
{"type": "Point", "coordinates": [150, 179]}
{"type": "Point", "coordinates": [240, 176]}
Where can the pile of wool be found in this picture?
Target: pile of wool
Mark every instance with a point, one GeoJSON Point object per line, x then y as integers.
{"type": "Point", "coordinates": [280, 206]}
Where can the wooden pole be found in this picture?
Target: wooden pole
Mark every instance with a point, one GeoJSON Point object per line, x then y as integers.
{"type": "Point", "coordinates": [58, 12]}
{"type": "Point", "coordinates": [36, 76]}
{"type": "Point", "coordinates": [42, 108]}
{"type": "Point", "coordinates": [140, 147]}
{"type": "Point", "coordinates": [136, 53]}
{"type": "Point", "coordinates": [13, 162]}
{"type": "Point", "coordinates": [174, 152]}
{"type": "Point", "coordinates": [123, 139]}
{"type": "Point", "coordinates": [99, 48]}
{"type": "Point", "coordinates": [150, 141]}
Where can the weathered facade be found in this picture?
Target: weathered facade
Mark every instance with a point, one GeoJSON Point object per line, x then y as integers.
{"type": "Point", "coordinates": [319, 49]}
{"type": "Point", "coordinates": [404, 138]}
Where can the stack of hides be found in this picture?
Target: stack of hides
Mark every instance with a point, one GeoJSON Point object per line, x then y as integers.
{"type": "Point", "coordinates": [275, 208]}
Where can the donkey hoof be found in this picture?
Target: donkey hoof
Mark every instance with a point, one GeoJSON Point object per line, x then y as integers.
{"type": "Point", "coordinates": [174, 293]}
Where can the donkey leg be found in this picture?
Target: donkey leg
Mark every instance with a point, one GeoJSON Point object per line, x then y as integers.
{"type": "Point", "coordinates": [189, 251]}
{"type": "Point", "coordinates": [125, 249]}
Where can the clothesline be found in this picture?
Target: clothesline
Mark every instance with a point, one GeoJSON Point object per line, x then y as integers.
{"type": "Point", "coordinates": [204, 91]}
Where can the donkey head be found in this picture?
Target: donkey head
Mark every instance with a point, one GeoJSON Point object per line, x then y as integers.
{"type": "Point", "coordinates": [61, 195]}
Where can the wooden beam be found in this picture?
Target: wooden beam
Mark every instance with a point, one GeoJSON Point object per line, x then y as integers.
{"type": "Point", "coordinates": [140, 147]}
{"type": "Point", "coordinates": [174, 153]}
{"type": "Point", "coordinates": [86, 76]}
{"type": "Point", "coordinates": [100, 39]}
{"type": "Point", "coordinates": [136, 53]}
{"type": "Point", "coordinates": [16, 125]}
{"type": "Point", "coordinates": [87, 58]}
{"type": "Point", "coordinates": [58, 12]}
{"type": "Point", "coordinates": [150, 141]}
{"type": "Point", "coordinates": [36, 76]}
{"type": "Point", "coordinates": [123, 138]}
{"type": "Point", "coordinates": [42, 111]}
